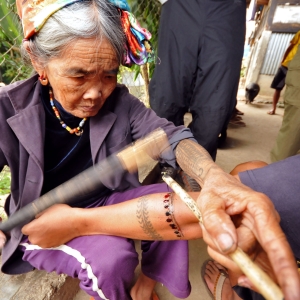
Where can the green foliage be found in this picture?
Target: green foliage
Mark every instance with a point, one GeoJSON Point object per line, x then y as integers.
{"type": "Point", "coordinates": [11, 64]}
{"type": "Point", "coordinates": [147, 12]}
{"type": "Point", "coordinates": [5, 182]}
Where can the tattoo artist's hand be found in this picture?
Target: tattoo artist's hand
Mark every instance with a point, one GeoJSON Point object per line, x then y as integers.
{"type": "Point", "coordinates": [53, 227]}
{"type": "Point", "coordinates": [234, 214]}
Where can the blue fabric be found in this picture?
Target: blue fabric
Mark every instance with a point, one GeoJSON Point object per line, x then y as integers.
{"type": "Point", "coordinates": [121, 4]}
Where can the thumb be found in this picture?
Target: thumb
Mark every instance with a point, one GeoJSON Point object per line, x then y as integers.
{"type": "Point", "coordinates": [219, 231]}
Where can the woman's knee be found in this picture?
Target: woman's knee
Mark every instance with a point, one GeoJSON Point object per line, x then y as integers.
{"type": "Point", "coordinates": [111, 274]}
{"type": "Point", "coordinates": [250, 165]}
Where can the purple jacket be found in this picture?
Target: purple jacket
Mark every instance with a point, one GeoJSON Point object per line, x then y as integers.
{"type": "Point", "coordinates": [121, 120]}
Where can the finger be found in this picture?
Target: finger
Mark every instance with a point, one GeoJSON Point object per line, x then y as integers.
{"type": "Point", "coordinates": [284, 266]}
{"type": "Point", "coordinates": [223, 260]}
{"type": "Point", "coordinates": [275, 244]}
{"type": "Point", "coordinates": [217, 225]}
{"type": "Point", "coordinates": [243, 281]}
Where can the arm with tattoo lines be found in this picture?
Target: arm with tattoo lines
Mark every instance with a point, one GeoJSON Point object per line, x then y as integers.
{"type": "Point", "coordinates": [142, 218]}
{"type": "Point", "coordinates": [194, 160]}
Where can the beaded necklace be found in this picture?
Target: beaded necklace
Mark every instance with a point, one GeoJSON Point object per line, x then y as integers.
{"type": "Point", "coordinates": [77, 130]}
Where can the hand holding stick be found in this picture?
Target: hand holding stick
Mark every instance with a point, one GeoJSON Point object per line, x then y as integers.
{"type": "Point", "coordinates": [258, 277]}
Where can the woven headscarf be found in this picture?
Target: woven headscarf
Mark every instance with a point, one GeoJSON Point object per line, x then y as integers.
{"type": "Point", "coordinates": [34, 14]}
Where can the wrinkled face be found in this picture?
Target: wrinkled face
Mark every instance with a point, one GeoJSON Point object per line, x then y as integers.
{"type": "Point", "coordinates": [84, 76]}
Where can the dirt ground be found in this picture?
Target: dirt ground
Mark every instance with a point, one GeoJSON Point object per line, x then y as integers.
{"type": "Point", "coordinates": [252, 142]}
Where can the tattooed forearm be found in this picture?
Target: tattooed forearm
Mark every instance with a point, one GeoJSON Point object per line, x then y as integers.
{"type": "Point", "coordinates": [142, 214]}
{"type": "Point", "coordinates": [168, 205]}
{"type": "Point", "coordinates": [194, 159]}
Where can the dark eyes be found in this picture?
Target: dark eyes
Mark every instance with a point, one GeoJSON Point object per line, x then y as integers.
{"type": "Point", "coordinates": [110, 77]}
{"type": "Point", "coordinates": [89, 76]}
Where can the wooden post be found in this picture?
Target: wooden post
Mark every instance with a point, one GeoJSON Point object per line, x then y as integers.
{"type": "Point", "coordinates": [145, 74]}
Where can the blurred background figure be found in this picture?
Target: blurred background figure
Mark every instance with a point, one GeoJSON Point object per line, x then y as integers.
{"type": "Point", "coordinates": [200, 49]}
{"type": "Point", "coordinates": [288, 139]}
{"type": "Point", "coordinates": [278, 82]}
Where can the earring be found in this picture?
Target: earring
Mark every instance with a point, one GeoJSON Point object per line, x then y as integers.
{"type": "Point", "coordinates": [43, 80]}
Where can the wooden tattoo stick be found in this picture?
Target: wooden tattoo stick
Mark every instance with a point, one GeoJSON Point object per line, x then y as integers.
{"type": "Point", "coordinates": [258, 277]}
{"type": "Point", "coordinates": [92, 179]}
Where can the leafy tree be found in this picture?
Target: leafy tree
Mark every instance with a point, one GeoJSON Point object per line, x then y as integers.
{"type": "Point", "coordinates": [5, 181]}
{"type": "Point", "coordinates": [11, 65]}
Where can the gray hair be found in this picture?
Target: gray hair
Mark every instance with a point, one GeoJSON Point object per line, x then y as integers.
{"type": "Point", "coordinates": [82, 20]}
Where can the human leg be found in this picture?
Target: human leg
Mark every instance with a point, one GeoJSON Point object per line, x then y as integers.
{"type": "Point", "coordinates": [104, 265]}
{"type": "Point", "coordinates": [255, 164]}
{"type": "Point", "coordinates": [156, 256]}
{"type": "Point", "coordinates": [218, 70]}
{"type": "Point", "coordinates": [278, 84]}
{"type": "Point", "coordinates": [172, 81]}
{"type": "Point", "coordinates": [236, 118]}
{"type": "Point", "coordinates": [276, 97]}
{"type": "Point", "coordinates": [142, 288]}
{"type": "Point", "coordinates": [165, 262]}
{"type": "Point", "coordinates": [288, 138]}
{"type": "Point", "coordinates": [159, 258]}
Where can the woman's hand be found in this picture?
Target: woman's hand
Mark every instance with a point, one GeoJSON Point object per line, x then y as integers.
{"type": "Point", "coordinates": [53, 227]}
{"type": "Point", "coordinates": [234, 214]}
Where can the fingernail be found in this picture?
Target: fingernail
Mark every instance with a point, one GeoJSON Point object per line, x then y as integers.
{"type": "Point", "coordinates": [225, 242]}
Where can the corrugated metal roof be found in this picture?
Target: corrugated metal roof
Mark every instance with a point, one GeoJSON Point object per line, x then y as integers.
{"type": "Point", "coordinates": [277, 45]}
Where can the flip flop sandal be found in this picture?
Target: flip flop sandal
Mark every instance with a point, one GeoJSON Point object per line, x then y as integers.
{"type": "Point", "coordinates": [238, 112]}
{"type": "Point", "coordinates": [238, 123]}
{"type": "Point", "coordinates": [217, 294]}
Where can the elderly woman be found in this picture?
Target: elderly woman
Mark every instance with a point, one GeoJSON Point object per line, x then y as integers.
{"type": "Point", "coordinates": [71, 115]}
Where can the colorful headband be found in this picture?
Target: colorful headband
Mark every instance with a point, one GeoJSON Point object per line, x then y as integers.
{"type": "Point", "coordinates": [34, 14]}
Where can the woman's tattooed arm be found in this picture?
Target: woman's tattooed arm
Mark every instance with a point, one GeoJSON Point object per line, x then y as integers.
{"type": "Point", "coordinates": [194, 160]}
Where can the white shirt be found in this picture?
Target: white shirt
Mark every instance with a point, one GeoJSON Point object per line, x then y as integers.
{"type": "Point", "coordinates": [162, 1]}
